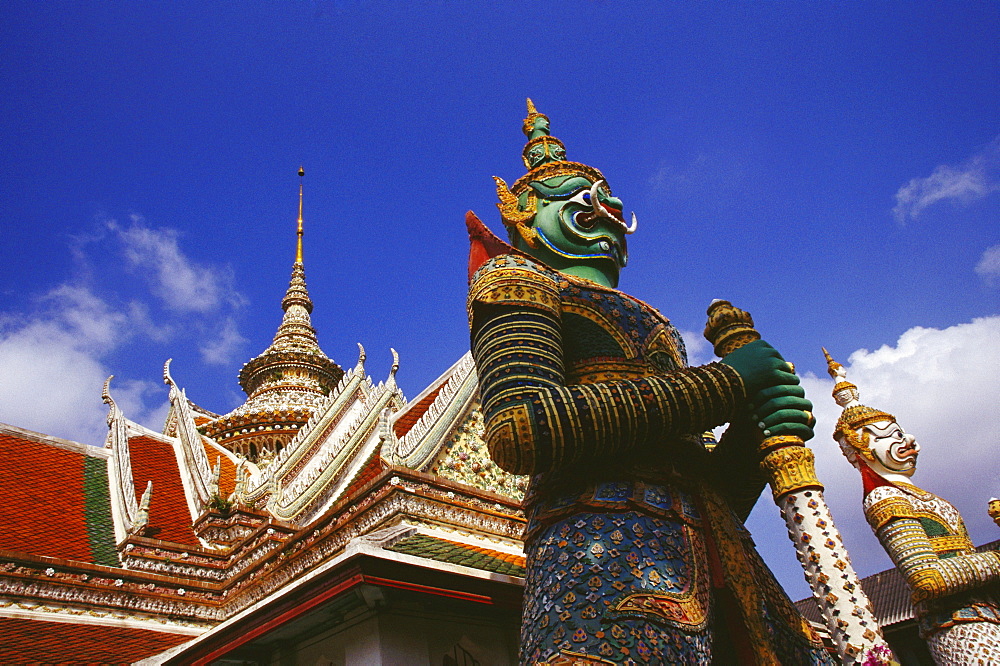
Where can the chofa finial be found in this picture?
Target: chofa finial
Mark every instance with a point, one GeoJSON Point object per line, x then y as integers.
{"type": "Point", "coordinates": [106, 391]}
{"type": "Point", "coordinates": [360, 367]}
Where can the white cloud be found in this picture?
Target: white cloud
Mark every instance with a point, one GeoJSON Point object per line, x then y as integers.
{"type": "Point", "coordinates": [55, 357]}
{"type": "Point", "coordinates": [224, 345]}
{"type": "Point", "coordinates": [944, 387]}
{"type": "Point", "coordinates": [974, 179]}
{"type": "Point", "coordinates": [698, 350]}
{"type": "Point", "coordinates": [716, 172]}
{"type": "Point", "coordinates": [988, 267]}
{"type": "Point", "coordinates": [180, 282]}
{"type": "Point", "coordinates": [51, 367]}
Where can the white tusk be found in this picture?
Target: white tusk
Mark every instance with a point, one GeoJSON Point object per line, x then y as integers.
{"type": "Point", "coordinates": [595, 204]}
{"type": "Point", "coordinates": [635, 225]}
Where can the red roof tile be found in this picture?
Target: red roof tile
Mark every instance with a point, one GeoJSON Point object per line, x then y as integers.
{"type": "Point", "coordinates": [372, 468]}
{"type": "Point", "coordinates": [169, 518]}
{"type": "Point", "coordinates": [44, 509]}
{"type": "Point", "coordinates": [36, 641]}
{"type": "Point", "coordinates": [410, 418]}
{"type": "Point", "coordinates": [227, 478]}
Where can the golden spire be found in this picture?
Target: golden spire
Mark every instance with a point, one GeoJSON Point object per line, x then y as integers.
{"type": "Point", "coordinates": [298, 248]}
{"type": "Point", "coordinates": [832, 367]}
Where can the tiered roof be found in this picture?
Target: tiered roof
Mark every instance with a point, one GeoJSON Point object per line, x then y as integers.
{"type": "Point", "coordinates": [39, 642]}
{"type": "Point", "coordinates": [154, 459]}
{"type": "Point", "coordinates": [56, 498]}
{"type": "Point", "coordinates": [153, 538]}
{"type": "Point", "coordinates": [445, 550]}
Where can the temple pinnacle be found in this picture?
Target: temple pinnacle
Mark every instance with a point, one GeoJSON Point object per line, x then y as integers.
{"type": "Point", "coordinates": [286, 383]}
{"type": "Point", "coordinates": [298, 248]}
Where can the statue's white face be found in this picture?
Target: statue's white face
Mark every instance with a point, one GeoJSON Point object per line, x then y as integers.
{"type": "Point", "coordinates": [892, 448]}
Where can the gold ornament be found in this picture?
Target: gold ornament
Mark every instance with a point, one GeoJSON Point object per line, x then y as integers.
{"type": "Point", "coordinates": [510, 208]}
{"type": "Point", "coordinates": [728, 327]}
{"type": "Point", "coordinates": [792, 468]}
{"type": "Point", "coordinates": [529, 122]}
{"type": "Point", "coordinates": [554, 169]}
{"type": "Point", "coordinates": [994, 510]}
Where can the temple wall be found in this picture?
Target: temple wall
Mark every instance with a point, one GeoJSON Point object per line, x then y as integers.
{"type": "Point", "coordinates": [413, 637]}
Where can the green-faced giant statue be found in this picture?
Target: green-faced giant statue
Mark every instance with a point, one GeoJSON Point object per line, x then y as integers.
{"type": "Point", "coordinates": [636, 547]}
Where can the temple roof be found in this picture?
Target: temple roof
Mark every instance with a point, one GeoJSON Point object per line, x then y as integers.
{"type": "Point", "coordinates": [35, 641]}
{"type": "Point", "coordinates": [445, 550]}
{"type": "Point", "coordinates": [227, 471]}
{"type": "Point", "coordinates": [169, 516]}
{"type": "Point", "coordinates": [56, 498]}
{"type": "Point", "coordinates": [410, 414]}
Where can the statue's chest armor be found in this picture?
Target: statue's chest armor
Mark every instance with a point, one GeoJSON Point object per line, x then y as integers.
{"type": "Point", "coordinates": [609, 336]}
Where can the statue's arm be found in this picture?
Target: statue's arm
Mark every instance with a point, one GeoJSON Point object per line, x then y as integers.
{"type": "Point", "coordinates": [899, 530]}
{"type": "Point", "coordinates": [535, 422]}
{"type": "Point", "coordinates": [735, 461]}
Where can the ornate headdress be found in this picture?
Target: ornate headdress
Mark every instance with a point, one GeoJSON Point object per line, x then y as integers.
{"type": "Point", "coordinates": [855, 415]}
{"type": "Point", "coordinates": [545, 157]}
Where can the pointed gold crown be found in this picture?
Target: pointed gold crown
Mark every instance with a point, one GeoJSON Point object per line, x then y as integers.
{"type": "Point", "coordinates": [545, 157]}
{"type": "Point", "coordinates": [855, 415]}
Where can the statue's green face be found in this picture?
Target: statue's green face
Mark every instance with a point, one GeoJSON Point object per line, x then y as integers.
{"type": "Point", "coordinates": [579, 228]}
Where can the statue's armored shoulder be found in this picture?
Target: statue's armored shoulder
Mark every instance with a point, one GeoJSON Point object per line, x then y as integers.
{"type": "Point", "coordinates": [515, 280]}
{"type": "Point", "coordinates": [886, 503]}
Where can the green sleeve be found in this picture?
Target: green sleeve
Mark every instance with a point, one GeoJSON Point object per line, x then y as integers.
{"type": "Point", "coordinates": [536, 423]}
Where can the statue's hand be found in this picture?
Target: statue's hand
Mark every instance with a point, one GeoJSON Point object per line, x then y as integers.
{"type": "Point", "coordinates": [784, 410]}
{"type": "Point", "coordinates": [760, 366]}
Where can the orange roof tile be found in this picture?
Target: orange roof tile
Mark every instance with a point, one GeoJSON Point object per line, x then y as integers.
{"type": "Point", "coordinates": [227, 478]}
{"type": "Point", "coordinates": [169, 518]}
{"type": "Point", "coordinates": [56, 502]}
{"type": "Point", "coordinates": [410, 418]}
{"type": "Point", "coordinates": [37, 641]}
{"type": "Point", "coordinates": [372, 468]}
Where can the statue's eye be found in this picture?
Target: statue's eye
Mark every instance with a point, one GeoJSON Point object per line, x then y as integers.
{"type": "Point", "coordinates": [581, 197]}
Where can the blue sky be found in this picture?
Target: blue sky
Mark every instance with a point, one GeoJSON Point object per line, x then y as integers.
{"type": "Point", "coordinates": [832, 167]}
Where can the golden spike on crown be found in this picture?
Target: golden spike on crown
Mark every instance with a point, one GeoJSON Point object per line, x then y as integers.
{"type": "Point", "coordinates": [832, 366]}
{"type": "Point", "coordinates": [529, 121]}
{"type": "Point", "coordinates": [844, 392]}
{"type": "Point", "coordinates": [855, 415]}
